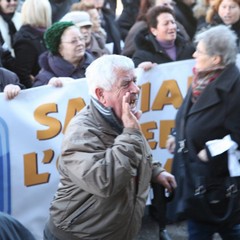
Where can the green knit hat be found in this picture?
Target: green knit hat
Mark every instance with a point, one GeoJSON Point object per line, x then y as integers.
{"type": "Point", "coordinates": [53, 35]}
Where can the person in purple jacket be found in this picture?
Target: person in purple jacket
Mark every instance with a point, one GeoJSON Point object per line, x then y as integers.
{"type": "Point", "coordinates": [66, 55]}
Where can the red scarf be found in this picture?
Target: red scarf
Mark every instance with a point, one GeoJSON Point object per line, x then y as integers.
{"type": "Point", "coordinates": [201, 79]}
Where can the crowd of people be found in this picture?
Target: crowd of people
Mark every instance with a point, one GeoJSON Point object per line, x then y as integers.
{"type": "Point", "coordinates": [106, 165]}
{"type": "Point", "coordinates": [143, 35]}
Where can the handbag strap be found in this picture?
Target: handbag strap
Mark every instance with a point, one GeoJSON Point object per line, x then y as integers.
{"type": "Point", "coordinates": [231, 189]}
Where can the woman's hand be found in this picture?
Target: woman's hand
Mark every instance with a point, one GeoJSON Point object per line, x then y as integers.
{"type": "Point", "coordinates": [11, 91]}
{"type": "Point", "coordinates": [203, 155]}
{"type": "Point", "coordinates": [171, 144]}
{"type": "Point", "coordinates": [58, 81]}
{"type": "Point", "coordinates": [146, 66]}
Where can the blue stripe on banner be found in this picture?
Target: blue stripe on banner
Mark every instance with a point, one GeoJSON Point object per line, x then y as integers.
{"type": "Point", "coordinates": [5, 173]}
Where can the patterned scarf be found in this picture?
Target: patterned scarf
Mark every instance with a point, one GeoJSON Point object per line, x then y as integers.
{"type": "Point", "coordinates": [201, 79]}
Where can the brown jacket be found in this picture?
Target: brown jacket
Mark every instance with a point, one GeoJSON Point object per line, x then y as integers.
{"type": "Point", "coordinates": [104, 180]}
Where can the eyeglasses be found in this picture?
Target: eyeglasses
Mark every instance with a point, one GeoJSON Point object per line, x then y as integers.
{"type": "Point", "coordinates": [11, 0]}
{"type": "Point", "coordinates": [75, 41]}
{"type": "Point", "coordinates": [198, 51]}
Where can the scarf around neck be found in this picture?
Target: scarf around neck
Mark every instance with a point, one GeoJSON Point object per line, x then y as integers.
{"type": "Point", "coordinates": [11, 27]}
{"type": "Point", "coordinates": [201, 79]}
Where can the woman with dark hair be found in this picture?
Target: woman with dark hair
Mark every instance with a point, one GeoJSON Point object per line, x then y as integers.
{"type": "Point", "coordinates": [161, 43]}
{"type": "Point", "coordinates": [141, 24]}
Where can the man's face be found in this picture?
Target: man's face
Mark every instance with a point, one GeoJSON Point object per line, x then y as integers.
{"type": "Point", "coordinates": [126, 83]}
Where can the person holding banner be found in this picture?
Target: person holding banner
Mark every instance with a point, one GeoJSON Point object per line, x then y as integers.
{"type": "Point", "coordinates": [9, 83]}
{"type": "Point", "coordinates": [67, 55]}
{"type": "Point", "coordinates": [209, 113]}
{"type": "Point", "coordinates": [161, 43]}
{"type": "Point", "coordinates": [106, 163]}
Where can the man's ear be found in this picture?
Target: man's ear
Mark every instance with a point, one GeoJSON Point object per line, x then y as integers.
{"type": "Point", "coordinates": [100, 95]}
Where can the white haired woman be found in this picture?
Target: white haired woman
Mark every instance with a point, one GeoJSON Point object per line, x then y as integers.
{"type": "Point", "coordinates": [210, 111]}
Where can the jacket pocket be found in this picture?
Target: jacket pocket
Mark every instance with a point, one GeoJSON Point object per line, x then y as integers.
{"type": "Point", "coordinates": [80, 212]}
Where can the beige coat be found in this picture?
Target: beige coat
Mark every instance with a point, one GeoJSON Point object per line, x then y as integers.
{"type": "Point", "coordinates": [104, 181]}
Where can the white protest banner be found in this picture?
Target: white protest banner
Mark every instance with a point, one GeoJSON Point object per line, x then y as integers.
{"type": "Point", "coordinates": [162, 92]}
{"type": "Point", "coordinates": [32, 126]}
{"type": "Point", "coordinates": [31, 129]}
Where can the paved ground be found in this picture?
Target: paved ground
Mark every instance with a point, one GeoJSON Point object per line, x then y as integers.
{"type": "Point", "coordinates": [149, 230]}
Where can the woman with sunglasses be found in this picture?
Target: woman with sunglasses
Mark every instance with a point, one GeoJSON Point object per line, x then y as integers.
{"type": "Point", "coordinates": [10, 21]}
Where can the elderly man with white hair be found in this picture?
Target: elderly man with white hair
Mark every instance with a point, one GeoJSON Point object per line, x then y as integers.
{"type": "Point", "coordinates": [106, 163]}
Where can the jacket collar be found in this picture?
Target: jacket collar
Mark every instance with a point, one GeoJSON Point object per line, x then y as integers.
{"type": "Point", "coordinates": [107, 114]}
{"type": "Point", "coordinates": [210, 95]}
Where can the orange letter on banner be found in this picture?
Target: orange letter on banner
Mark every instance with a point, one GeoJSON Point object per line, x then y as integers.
{"type": "Point", "coordinates": [74, 106]}
{"type": "Point", "coordinates": [169, 93]}
{"type": "Point", "coordinates": [165, 129]}
{"type": "Point", "coordinates": [41, 116]}
{"type": "Point", "coordinates": [149, 135]}
{"type": "Point", "coordinates": [31, 175]}
{"type": "Point", "coordinates": [145, 97]}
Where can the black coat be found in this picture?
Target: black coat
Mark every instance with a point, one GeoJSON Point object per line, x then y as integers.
{"type": "Point", "coordinates": [8, 77]}
{"type": "Point", "coordinates": [128, 17]}
{"type": "Point", "coordinates": [215, 115]}
{"type": "Point", "coordinates": [111, 27]}
{"type": "Point", "coordinates": [184, 15]}
{"type": "Point", "coordinates": [148, 49]}
{"type": "Point", "coordinates": [28, 46]}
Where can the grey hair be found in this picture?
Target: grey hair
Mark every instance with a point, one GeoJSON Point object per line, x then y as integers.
{"type": "Point", "coordinates": [221, 41]}
{"type": "Point", "coordinates": [103, 72]}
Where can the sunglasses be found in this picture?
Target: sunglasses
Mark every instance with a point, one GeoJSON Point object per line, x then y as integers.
{"type": "Point", "coordinates": [11, 0]}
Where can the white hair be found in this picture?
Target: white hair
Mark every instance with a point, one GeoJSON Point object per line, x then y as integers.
{"type": "Point", "coordinates": [220, 40]}
{"type": "Point", "coordinates": [103, 72]}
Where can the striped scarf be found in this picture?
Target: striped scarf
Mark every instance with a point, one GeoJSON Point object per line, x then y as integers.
{"type": "Point", "coordinates": [201, 79]}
